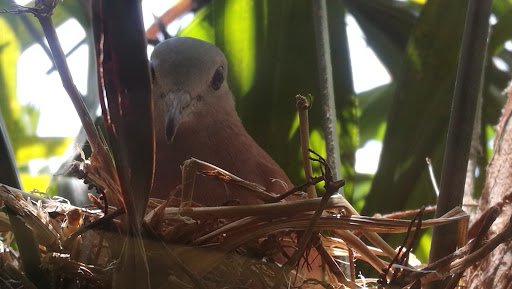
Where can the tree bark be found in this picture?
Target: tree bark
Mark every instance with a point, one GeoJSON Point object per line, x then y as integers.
{"type": "Point", "coordinates": [494, 272]}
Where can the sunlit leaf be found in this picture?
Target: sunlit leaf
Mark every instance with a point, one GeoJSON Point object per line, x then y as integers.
{"type": "Point", "coordinates": [33, 148]}
{"type": "Point", "coordinates": [235, 31]}
{"type": "Point", "coordinates": [201, 26]}
{"type": "Point", "coordinates": [35, 182]}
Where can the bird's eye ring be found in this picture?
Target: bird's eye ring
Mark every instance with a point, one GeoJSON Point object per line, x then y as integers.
{"type": "Point", "coordinates": [218, 78]}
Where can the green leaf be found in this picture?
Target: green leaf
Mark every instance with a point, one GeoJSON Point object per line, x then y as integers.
{"type": "Point", "coordinates": [418, 118]}
{"type": "Point", "coordinates": [374, 105]}
{"type": "Point", "coordinates": [21, 121]}
{"type": "Point", "coordinates": [235, 32]}
{"type": "Point", "coordinates": [201, 26]}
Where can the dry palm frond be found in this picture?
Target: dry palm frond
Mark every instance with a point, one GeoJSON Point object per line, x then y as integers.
{"type": "Point", "coordinates": [222, 247]}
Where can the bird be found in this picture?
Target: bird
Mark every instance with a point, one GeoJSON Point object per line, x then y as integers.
{"type": "Point", "coordinates": [194, 116]}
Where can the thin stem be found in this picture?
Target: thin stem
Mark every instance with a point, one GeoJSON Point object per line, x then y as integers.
{"type": "Point", "coordinates": [67, 81]}
{"type": "Point", "coordinates": [467, 88]}
{"type": "Point", "coordinates": [303, 107]}
{"type": "Point", "coordinates": [327, 87]}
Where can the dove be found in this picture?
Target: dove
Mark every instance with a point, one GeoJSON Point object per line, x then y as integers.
{"type": "Point", "coordinates": [194, 117]}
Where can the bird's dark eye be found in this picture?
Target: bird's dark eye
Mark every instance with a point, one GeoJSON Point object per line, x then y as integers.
{"type": "Point", "coordinates": [218, 78]}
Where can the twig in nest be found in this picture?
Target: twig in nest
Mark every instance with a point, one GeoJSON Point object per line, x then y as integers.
{"type": "Point", "coordinates": [490, 217]}
{"type": "Point", "coordinates": [372, 237]}
{"type": "Point", "coordinates": [403, 214]}
{"type": "Point", "coordinates": [331, 187]}
{"type": "Point", "coordinates": [155, 218]}
{"type": "Point", "coordinates": [334, 268]}
{"type": "Point", "coordinates": [194, 166]}
{"type": "Point", "coordinates": [242, 223]}
{"type": "Point", "coordinates": [350, 239]}
{"type": "Point", "coordinates": [352, 266]}
{"type": "Point", "coordinates": [64, 270]}
{"type": "Point", "coordinates": [273, 209]}
{"type": "Point", "coordinates": [402, 259]}
{"type": "Point", "coordinates": [312, 182]}
{"type": "Point", "coordinates": [457, 261]}
{"type": "Point", "coordinates": [46, 234]}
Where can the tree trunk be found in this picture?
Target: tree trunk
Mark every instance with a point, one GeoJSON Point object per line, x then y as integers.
{"type": "Point", "coordinates": [494, 271]}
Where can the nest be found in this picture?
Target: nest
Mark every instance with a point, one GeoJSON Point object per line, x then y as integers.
{"type": "Point", "coordinates": [309, 242]}
{"type": "Point", "coordinates": [292, 244]}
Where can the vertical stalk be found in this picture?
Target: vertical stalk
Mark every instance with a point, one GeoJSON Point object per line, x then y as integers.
{"type": "Point", "coordinates": [467, 88]}
{"type": "Point", "coordinates": [303, 107]}
{"type": "Point", "coordinates": [67, 81]}
{"type": "Point", "coordinates": [327, 87]}
{"type": "Point", "coordinates": [126, 86]}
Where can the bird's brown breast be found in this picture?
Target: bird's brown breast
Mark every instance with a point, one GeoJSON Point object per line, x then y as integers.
{"type": "Point", "coordinates": [225, 144]}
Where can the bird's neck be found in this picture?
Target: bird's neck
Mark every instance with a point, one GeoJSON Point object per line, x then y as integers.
{"type": "Point", "coordinates": [221, 122]}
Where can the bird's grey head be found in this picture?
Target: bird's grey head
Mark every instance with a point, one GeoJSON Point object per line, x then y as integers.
{"type": "Point", "coordinates": [189, 76]}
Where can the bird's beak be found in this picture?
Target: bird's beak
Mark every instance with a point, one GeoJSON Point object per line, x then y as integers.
{"type": "Point", "coordinates": [179, 103]}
